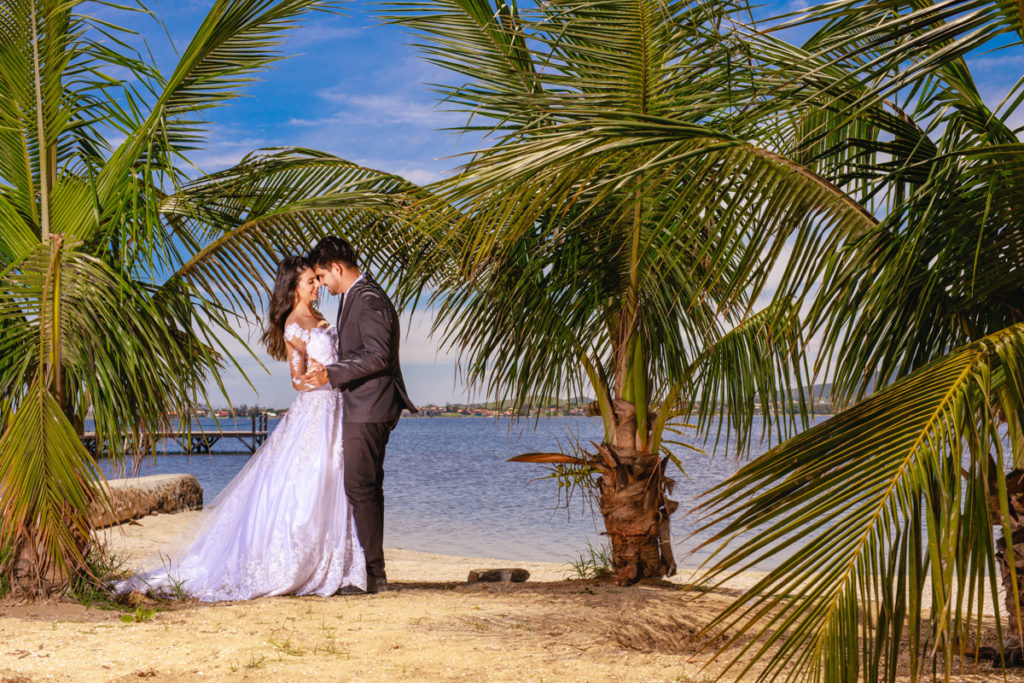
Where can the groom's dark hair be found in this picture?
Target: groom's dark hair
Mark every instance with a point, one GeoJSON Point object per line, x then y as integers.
{"type": "Point", "coordinates": [330, 250]}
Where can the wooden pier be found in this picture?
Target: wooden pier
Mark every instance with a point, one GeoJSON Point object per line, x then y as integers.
{"type": "Point", "coordinates": [197, 440]}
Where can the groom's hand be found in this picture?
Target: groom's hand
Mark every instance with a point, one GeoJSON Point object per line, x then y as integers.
{"type": "Point", "coordinates": [316, 377]}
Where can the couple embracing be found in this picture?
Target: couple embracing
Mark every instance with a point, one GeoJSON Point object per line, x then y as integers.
{"type": "Point", "coordinates": [305, 515]}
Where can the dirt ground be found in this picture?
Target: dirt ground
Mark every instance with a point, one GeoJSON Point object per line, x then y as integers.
{"type": "Point", "coordinates": [434, 627]}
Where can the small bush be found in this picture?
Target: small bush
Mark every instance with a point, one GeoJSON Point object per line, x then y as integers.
{"type": "Point", "coordinates": [92, 587]}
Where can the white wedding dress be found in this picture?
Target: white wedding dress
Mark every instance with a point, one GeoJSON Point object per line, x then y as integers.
{"type": "Point", "coordinates": [283, 525]}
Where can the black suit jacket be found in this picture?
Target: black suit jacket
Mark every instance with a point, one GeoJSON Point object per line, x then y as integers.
{"type": "Point", "coordinates": [367, 371]}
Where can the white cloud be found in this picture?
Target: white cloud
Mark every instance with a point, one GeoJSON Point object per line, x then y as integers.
{"type": "Point", "coordinates": [420, 176]}
{"type": "Point", "coordinates": [413, 171]}
{"type": "Point", "coordinates": [312, 33]}
{"type": "Point", "coordinates": [778, 269]}
{"type": "Point", "coordinates": [1000, 60]}
{"type": "Point", "coordinates": [222, 150]}
{"type": "Point", "coordinates": [378, 110]}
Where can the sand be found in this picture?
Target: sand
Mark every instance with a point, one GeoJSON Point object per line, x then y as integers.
{"type": "Point", "coordinates": [435, 627]}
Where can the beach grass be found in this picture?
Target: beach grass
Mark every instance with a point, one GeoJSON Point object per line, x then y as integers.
{"type": "Point", "coordinates": [593, 563]}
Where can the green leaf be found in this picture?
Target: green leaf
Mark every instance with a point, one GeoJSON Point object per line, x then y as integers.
{"type": "Point", "coordinates": [50, 485]}
{"type": "Point", "coordinates": [867, 491]}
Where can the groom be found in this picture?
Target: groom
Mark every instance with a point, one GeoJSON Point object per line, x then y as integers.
{"type": "Point", "coordinates": [372, 388]}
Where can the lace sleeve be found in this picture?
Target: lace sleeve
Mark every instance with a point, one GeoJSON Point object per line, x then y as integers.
{"type": "Point", "coordinates": [296, 338]}
{"type": "Point", "coordinates": [297, 366]}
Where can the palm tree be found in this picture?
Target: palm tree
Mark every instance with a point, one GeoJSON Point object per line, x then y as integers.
{"type": "Point", "coordinates": [119, 271]}
{"type": "Point", "coordinates": [895, 499]}
{"type": "Point", "coordinates": [615, 234]}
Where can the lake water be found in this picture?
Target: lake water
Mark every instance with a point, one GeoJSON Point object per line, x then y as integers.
{"type": "Point", "coordinates": [448, 488]}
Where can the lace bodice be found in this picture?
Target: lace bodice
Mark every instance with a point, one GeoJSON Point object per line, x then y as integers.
{"type": "Point", "coordinates": [321, 343]}
{"type": "Point", "coordinates": [310, 349]}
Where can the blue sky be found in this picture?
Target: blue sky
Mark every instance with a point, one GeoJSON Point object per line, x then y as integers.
{"type": "Point", "coordinates": [354, 88]}
{"type": "Point", "coordinates": [349, 86]}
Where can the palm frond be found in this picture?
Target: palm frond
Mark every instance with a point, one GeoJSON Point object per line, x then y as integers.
{"type": "Point", "coordinates": [128, 354]}
{"type": "Point", "coordinates": [765, 350]}
{"type": "Point", "coordinates": [49, 484]}
{"type": "Point", "coordinates": [240, 221]}
{"type": "Point", "coordinates": [882, 496]}
{"type": "Point", "coordinates": [938, 272]}
{"type": "Point", "coordinates": [236, 39]}
{"type": "Point", "coordinates": [914, 47]}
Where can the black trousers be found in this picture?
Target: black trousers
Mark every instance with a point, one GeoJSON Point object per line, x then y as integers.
{"type": "Point", "coordinates": [364, 444]}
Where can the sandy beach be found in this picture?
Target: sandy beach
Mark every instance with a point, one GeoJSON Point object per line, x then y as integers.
{"type": "Point", "coordinates": [435, 627]}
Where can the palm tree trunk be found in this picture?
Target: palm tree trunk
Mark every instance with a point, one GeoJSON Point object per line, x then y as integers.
{"type": "Point", "coordinates": [31, 574]}
{"type": "Point", "coordinates": [633, 502]}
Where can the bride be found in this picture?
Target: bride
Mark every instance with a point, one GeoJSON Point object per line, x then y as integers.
{"type": "Point", "coordinates": [283, 525]}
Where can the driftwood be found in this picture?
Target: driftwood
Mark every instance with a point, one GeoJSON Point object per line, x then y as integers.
{"type": "Point", "coordinates": [503, 575]}
{"type": "Point", "coordinates": [141, 496]}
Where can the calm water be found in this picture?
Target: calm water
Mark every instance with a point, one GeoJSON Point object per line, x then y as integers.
{"type": "Point", "coordinates": [449, 489]}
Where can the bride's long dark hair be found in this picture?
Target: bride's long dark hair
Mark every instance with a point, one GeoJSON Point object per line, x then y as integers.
{"type": "Point", "coordinates": [281, 303]}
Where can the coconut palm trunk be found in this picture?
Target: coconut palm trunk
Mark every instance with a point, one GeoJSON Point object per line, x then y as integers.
{"type": "Point", "coordinates": [632, 496]}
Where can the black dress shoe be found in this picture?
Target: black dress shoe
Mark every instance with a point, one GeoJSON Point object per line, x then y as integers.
{"type": "Point", "coordinates": [350, 590]}
{"type": "Point", "coordinates": [377, 585]}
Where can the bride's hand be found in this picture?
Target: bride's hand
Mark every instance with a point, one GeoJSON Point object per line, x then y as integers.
{"type": "Point", "coordinates": [316, 377]}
